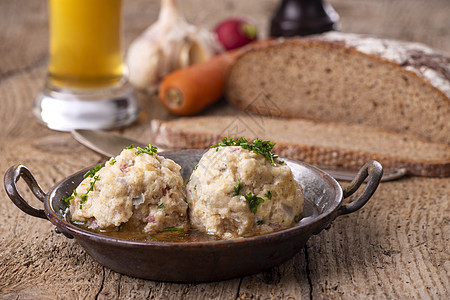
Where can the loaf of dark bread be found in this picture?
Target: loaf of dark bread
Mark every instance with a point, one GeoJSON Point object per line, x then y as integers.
{"type": "Point", "coordinates": [318, 143]}
{"type": "Point", "coordinates": [341, 77]}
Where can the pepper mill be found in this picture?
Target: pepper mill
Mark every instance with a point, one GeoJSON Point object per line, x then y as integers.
{"type": "Point", "coordinates": [303, 17]}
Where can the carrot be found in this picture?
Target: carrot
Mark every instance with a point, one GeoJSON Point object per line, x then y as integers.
{"type": "Point", "coordinates": [189, 90]}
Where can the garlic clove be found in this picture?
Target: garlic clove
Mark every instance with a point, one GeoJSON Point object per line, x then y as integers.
{"type": "Point", "coordinates": [168, 44]}
{"type": "Point", "coordinates": [143, 60]}
{"type": "Point", "coordinates": [193, 52]}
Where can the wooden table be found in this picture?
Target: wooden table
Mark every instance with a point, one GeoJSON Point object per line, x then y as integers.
{"type": "Point", "coordinates": [396, 247]}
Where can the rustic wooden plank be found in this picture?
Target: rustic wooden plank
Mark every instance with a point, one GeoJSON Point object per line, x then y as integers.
{"type": "Point", "coordinates": [126, 287]}
{"type": "Point", "coordinates": [17, 94]}
{"type": "Point", "coordinates": [287, 281]}
{"type": "Point", "coordinates": [396, 246]}
{"type": "Point", "coordinates": [20, 50]}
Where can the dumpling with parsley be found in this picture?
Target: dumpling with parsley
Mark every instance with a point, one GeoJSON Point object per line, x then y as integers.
{"type": "Point", "coordinates": [241, 188]}
{"type": "Point", "coordinates": [138, 189]}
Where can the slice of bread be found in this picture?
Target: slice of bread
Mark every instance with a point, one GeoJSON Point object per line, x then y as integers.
{"type": "Point", "coordinates": [318, 143]}
{"type": "Point", "coordinates": [340, 77]}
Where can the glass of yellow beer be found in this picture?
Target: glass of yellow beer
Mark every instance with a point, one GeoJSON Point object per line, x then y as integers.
{"type": "Point", "coordinates": [86, 85]}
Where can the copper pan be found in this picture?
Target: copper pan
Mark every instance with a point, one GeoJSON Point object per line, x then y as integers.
{"type": "Point", "coordinates": [208, 260]}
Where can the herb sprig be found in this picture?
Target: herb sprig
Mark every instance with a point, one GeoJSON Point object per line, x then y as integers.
{"type": "Point", "coordinates": [92, 183]}
{"type": "Point", "coordinates": [92, 172]}
{"type": "Point", "coordinates": [237, 188]}
{"type": "Point", "coordinates": [111, 161]}
{"type": "Point", "coordinates": [253, 201]}
{"type": "Point", "coordinates": [67, 199]}
{"type": "Point", "coordinates": [180, 230]}
{"type": "Point", "coordinates": [150, 150]}
{"type": "Point", "coordinates": [95, 178]}
{"type": "Point", "coordinates": [257, 146]}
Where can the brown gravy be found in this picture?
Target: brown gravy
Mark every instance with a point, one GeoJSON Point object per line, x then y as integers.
{"type": "Point", "coordinates": [165, 236]}
{"type": "Point", "coordinates": [310, 210]}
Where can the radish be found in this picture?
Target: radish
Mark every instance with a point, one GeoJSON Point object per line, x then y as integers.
{"type": "Point", "coordinates": [235, 33]}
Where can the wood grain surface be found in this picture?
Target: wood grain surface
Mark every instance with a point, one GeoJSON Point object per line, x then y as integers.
{"type": "Point", "coordinates": [396, 247]}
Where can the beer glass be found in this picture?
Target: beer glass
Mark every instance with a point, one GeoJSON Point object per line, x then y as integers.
{"type": "Point", "coordinates": [86, 85]}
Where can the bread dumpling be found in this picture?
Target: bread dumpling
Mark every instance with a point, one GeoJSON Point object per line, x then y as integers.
{"type": "Point", "coordinates": [138, 188]}
{"type": "Point", "coordinates": [236, 192]}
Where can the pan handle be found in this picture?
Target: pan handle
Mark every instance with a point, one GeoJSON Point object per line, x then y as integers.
{"type": "Point", "coordinates": [10, 180]}
{"type": "Point", "coordinates": [374, 171]}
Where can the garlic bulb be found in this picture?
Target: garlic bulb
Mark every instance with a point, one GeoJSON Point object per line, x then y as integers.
{"type": "Point", "coordinates": [168, 44]}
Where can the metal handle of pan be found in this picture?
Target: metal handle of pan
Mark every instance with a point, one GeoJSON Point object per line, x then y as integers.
{"type": "Point", "coordinates": [371, 170]}
{"type": "Point", "coordinates": [11, 178]}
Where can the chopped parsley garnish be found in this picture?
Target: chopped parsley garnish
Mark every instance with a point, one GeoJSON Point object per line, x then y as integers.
{"type": "Point", "coordinates": [161, 206]}
{"type": "Point", "coordinates": [96, 178]}
{"type": "Point", "coordinates": [67, 199]}
{"type": "Point", "coordinates": [150, 150]}
{"type": "Point", "coordinates": [253, 201]}
{"type": "Point", "coordinates": [130, 147]}
{"type": "Point", "coordinates": [83, 199]}
{"type": "Point", "coordinates": [91, 184]}
{"type": "Point", "coordinates": [257, 146]}
{"type": "Point", "coordinates": [237, 188]}
{"type": "Point", "coordinates": [268, 195]}
{"type": "Point", "coordinates": [111, 161]}
{"type": "Point", "coordinates": [225, 142]}
{"type": "Point", "coordinates": [264, 148]}
{"type": "Point", "coordinates": [181, 230]}
{"type": "Point", "coordinates": [195, 187]}
{"type": "Point", "coordinates": [92, 172]}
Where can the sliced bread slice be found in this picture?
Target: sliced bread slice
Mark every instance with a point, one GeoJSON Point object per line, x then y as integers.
{"type": "Point", "coordinates": [317, 143]}
{"type": "Point", "coordinates": [343, 77]}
